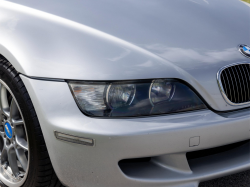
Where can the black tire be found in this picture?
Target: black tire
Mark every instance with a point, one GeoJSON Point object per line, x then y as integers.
{"type": "Point", "coordinates": [41, 172]}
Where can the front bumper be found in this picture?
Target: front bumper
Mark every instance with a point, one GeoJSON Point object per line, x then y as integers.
{"type": "Point", "coordinates": [166, 139]}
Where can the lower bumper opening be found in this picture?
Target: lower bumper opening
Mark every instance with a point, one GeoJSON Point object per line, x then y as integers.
{"type": "Point", "coordinates": [193, 166]}
{"type": "Point", "coordinates": [214, 151]}
{"type": "Point", "coordinates": [134, 160]}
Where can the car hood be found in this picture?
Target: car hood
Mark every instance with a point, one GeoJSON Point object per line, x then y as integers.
{"type": "Point", "coordinates": [128, 39]}
{"type": "Point", "coordinates": [189, 33]}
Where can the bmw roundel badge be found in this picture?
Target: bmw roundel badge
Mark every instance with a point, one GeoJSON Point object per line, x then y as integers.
{"type": "Point", "coordinates": [8, 130]}
{"type": "Point", "coordinates": [245, 50]}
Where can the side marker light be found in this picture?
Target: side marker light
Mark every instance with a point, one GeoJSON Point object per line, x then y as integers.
{"type": "Point", "coordinates": [74, 139]}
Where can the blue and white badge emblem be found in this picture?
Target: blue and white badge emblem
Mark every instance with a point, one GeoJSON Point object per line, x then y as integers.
{"type": "Point", "coordinates": [245, 50]}
{"type": "Point", "coordinates": [8, 130]}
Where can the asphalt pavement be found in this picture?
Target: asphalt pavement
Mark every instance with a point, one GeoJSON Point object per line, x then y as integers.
{"type": "Point", "coordinates": [237, 180]}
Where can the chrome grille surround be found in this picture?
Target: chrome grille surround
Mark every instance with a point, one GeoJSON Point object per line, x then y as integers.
{"type": "Point", "coordinates": [241, 76]}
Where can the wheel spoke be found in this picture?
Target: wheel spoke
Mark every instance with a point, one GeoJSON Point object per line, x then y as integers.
{"type": "Point", "coordinates": [17, 122]}
{"type": "Point", "coordinates": [21, 142]}
{"type": "Point", "coordinates": [22, 158]}
{"type": "Point", "coordinates": [2, 146]}
{"type": "Point", "coordinates": [6, 113]}
{"type": "Point", "coordinates": [4, 155]}
{"type": "Point", "coordinates": [21, 138]}
{"type": "Point", "coordinates": [14, 112]}
{"type": "Point", "coordinates": [13, 161]}
{"type": "Point", "coordinates": [2, 133]}
{"type": "Point", "coordinates": [4, 101]}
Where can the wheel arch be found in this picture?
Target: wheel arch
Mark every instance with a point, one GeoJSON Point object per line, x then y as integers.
{"type": "Point", "coordinates": [44, 167]}
{"type": "Point", "coordinates": [7, 54]}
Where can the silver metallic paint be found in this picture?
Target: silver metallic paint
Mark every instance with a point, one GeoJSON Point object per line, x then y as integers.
{"type": "Point", "coordinates": [121, 40]}
{"type": "Point", "coordinates": [117, 139]}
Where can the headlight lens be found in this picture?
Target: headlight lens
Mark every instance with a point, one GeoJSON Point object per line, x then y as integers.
{"type": "Point", "coordinates": [118, 96]}
{"type": "Point", "coordinates": [161, 90]}
{"type": "Point", "coordinates": [127, 99]}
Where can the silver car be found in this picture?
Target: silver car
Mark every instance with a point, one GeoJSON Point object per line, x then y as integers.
{"type": "Point", "coordinates": [128, 93]}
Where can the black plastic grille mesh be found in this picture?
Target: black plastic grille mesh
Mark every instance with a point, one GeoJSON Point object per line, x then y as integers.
{"type": "Point", "coordinates": [236, 83]}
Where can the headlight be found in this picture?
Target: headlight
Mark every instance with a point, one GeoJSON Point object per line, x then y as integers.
{"type": "Point", "coordinates": [161, 90]}
{"type": "Point", "coordinates": [141, 98]}
{"type": "Point", "coordinates": [118, 96]}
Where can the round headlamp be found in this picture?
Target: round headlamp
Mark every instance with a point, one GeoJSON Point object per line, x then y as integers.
{"type": "Point", "coordinates": [120, 95]}
{"type": "Point", "coordinates": [161, 91]}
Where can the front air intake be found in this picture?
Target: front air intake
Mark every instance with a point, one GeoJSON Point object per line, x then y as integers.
{"type": "Point", "coordinates": [234, 83]}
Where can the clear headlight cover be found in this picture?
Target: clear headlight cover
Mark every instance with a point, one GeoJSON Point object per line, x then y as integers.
{"type": "Point", "coordinates": [134, 98]}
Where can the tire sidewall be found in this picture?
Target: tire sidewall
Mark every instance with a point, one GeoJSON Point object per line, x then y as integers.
{"type": "Point", "coordinates": [14, 82]}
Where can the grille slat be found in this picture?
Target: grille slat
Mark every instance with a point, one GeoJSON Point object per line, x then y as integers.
{"type": "Point", "coordinates": [232, 83]}
{"type": "Point", "coordinates": [244, 82]}
{"type": "Point", "coordinates": [235, 82]}
{"type": "Point", "coordinates": [247, 69]}
{"type": "Point", "coordinates": [238, 80]}
{"type": "Point", "coordinates": [226, 88]}
{"type": "Point", "coordinates": [248, 81]}
{"type": "Point", "coordinates": [227, 82]}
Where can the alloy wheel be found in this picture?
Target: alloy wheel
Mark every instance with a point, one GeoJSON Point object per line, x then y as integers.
{"type": "Point", "coordinates": [14, 146]}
